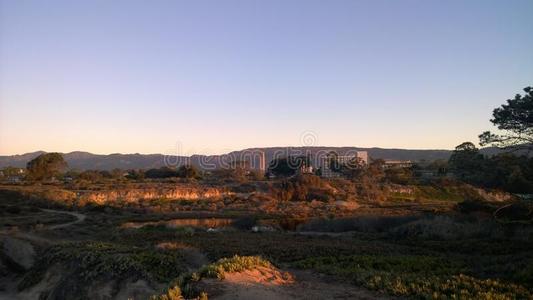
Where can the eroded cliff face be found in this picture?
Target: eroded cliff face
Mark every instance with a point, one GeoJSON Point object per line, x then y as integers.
{"type": "Point", "coordinates": [138, 194]}
{"type": "Point", "coordinates": [117, 194]}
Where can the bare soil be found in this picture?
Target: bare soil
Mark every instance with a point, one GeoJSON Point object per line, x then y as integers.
{"type": "Point", "coordinates": [270, 283]}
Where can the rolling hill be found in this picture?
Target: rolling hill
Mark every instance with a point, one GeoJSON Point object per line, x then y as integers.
{"type": "Point", "coordinates": [87, 161]}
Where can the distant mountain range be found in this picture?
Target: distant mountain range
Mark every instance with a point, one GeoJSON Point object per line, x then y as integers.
{"type": "Point", "coordinates": [87, 161]}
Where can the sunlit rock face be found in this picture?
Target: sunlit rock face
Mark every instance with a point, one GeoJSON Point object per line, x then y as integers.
{"type": "Point", "coordinates": [133, 195]}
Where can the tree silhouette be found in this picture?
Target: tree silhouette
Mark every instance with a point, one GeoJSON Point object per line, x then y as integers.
{"type": "Point", "coordinates": [515, 119]}
{"type": "Point", "coordinates": [466, 162]}
{"type": "Point", "coordinates": [46, 166]}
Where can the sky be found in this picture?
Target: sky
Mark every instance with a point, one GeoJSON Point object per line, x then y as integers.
{"type": "Point", "coordinates": [214, 76]}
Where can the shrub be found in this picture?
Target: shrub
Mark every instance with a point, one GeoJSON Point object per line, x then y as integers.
{"type": "Point", "coordinates": [233, 264]}
{"type": "Point", "coordinates": [90, 260]}
{"type": "Point", "coordinates": [173, 293]}
{"type": "Point", "coordinates": [415, 276]}
{"type": "Point", "coordinates": [182, 286]}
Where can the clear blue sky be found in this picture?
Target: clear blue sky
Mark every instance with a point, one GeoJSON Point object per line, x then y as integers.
{"type": "Point", "coordinates": [213, 76]}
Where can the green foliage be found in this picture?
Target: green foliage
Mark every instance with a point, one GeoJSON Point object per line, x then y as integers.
{"type": "Point", "coordinates": [226, 175]}
{"type": "Point", "coordinates": [163, 172]}
{"type": "Point", "coordinates": [453, 193]}
{"type": "Point", "coordinates": [90, 260]}
{"type": "Point", "coordinates": [11, 171]}
{"type": "Point", "coordinates": [173, 293]}
{"type": "Point", "coordinates": [350, 169]}
{"type": "Point", "coordinates": [466, 162]}
{"type": "Point", "coordinates": [91, 175]}
{"type": "Point", "coordinates": [303, 187]}
{"type": "Point", "coordinates": [288, 166]}
{"type": "Point", "coordinates": [46, 166]}
{"type": "Point", "coordinates": [187, 171]}
{"type": "Point", "coordinates": [402, 176]}
{"type": "Point", "coordinates": [233, 264]}
{"type": "Point", "coordinates": [183, 285]}
{"type": "Point", "coordinates": [419, 266]}
{"type": "Point", "coordinates": [504, 171]}
{"type": "Point", "coordinates": [135, 174]}
{"type": "Point", "coordinates": [369, 181]}
{"type": "Point", "coordinates": [515, 119]}
{"type": "Point", "coordinates": [415, 276]}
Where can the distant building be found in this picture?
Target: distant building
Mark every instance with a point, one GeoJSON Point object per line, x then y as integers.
{"type": "Point", "coordinates": [304, 169]}
{"type": "Point", "coordinates": [360, 157]}
{"type": "Point", "coordinates": [12, 175]}
{"type": "Point", "coordinates": [397, 164]}
{"type": "Point", "coordinates": [14, 179]}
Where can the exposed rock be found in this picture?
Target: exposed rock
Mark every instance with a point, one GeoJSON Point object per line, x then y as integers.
{"type": "Point", "coordinates": [139, 289]}
{"type": "Point", "coordinates": [182, 192]}
{"type": "Point", "coordinates": [19, 252]}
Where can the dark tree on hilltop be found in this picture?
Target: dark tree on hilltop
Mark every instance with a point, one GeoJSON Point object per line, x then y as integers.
{"type": "Point", "coordinates": [46, 166]}
{"type": "Point", "coordinates": [503, 171]}
{"type": "Point", "coordinates": [187, 171]}
{"type": "Point", "coordinates": [515, 119]}
{"type": "Point", "coordinates": [288, 166]}
{"type": "Point", "coordinates": [466, 162]}
{"type": "Point", "coordinates": [163, 172]}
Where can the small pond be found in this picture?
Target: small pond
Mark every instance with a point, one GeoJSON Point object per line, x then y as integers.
{"type": "Point", "coordinates": [191, 222]}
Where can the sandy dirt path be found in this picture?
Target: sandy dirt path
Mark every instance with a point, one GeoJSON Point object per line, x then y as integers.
{"type": "Point", "coordinates": [79, 218]}
{"type": "Point", "coordinates": [37, 238]}
{"type": "Point", "coordinates": [268, 284]}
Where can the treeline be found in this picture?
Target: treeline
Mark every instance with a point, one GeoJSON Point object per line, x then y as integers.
{"type": "Point", "coordinates": [506, 171]}
{"type": "Point", "coordinates": [511, 171]}
{"type": "Point", "coordinates": [52, 166]}
{"type": "Point", "coordinates": [159, 173]}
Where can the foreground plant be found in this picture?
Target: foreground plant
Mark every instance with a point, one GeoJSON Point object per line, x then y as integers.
{"type": "Point", "coordinates": [92, 260]}
{"type": "Point", "coordinates": [415, 276]}
{"type": "Point", "coordinates": [232, 265]}
{"type": "Point", "coordinates": [183, 285]}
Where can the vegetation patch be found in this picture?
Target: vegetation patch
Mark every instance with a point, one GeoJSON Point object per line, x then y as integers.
{"type": "Point", "coordinates": [415, 276]}
{"type": "Point", "coordinates": [91, 260]}
{"type": "Point", "coordinates": [232, 265]}
{"type": "Point", "coordinates": [183, 286]}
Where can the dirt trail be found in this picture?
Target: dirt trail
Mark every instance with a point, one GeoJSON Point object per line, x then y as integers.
{"type": "Point", "coordinates": [8, 288]}
{"type": "Point", "coordinates": [79, 218]}
{"type": "Point", "coordinates": [40, 240]}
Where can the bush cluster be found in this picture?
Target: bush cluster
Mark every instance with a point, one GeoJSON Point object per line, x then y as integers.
{"type": "Point", "coordinates": [91, 260]}
{"type": "Point", "coordinates": [415, 276]}
{"type": "Point", "coordinates": [183, 286]}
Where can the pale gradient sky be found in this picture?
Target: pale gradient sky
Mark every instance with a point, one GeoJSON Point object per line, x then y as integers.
{"type": "Point", "coordinates": [143, 76]}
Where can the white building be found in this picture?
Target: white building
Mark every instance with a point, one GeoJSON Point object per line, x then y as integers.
{"type": "Point", "coordinates": [397, 164]}
{"type": "Point", "coordinates": [360, 157]}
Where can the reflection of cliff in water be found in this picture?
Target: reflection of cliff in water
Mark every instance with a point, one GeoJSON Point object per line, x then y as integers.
{"type": "Point", "coordinates": [286, 224]}
{"type": "Point", "coordinates": [192, 222]}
